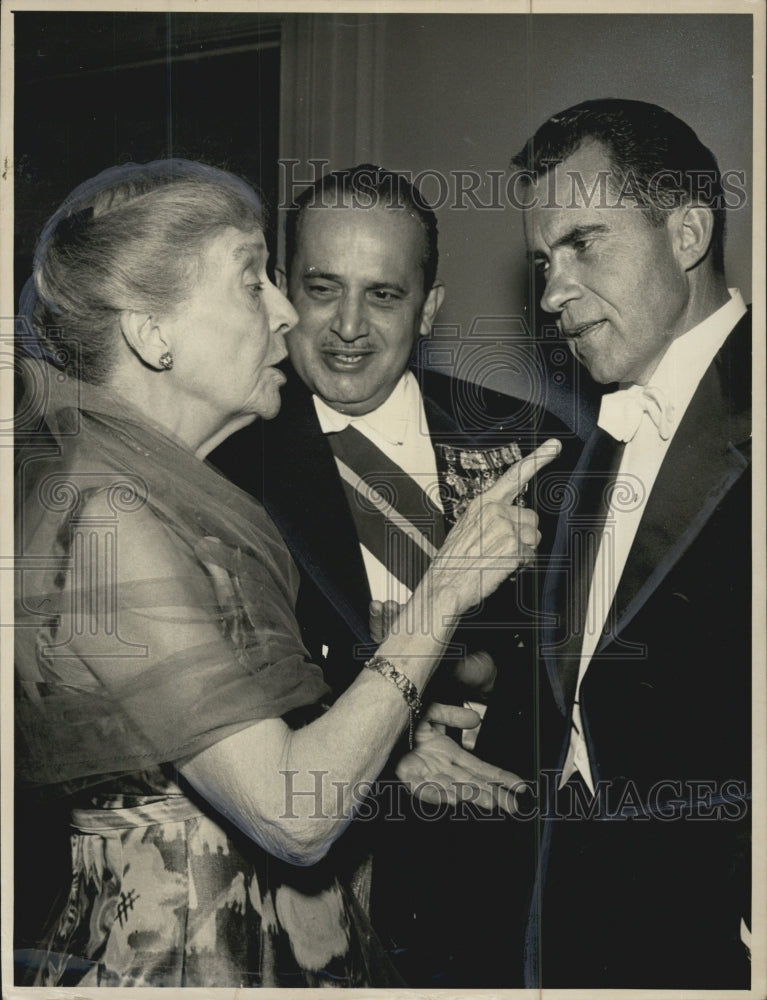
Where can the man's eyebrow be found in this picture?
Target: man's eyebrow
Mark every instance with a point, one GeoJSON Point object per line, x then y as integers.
{"type": "Point", "coordinates": [375, 286]}
{"type": "Point", "coordinates": [389, 286]}
{"type": "Point", "coordinates": [315, 272]}
{"type": "Point", "coordinates": [578, 233]}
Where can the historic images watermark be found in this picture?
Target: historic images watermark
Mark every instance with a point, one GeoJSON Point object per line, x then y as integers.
{"type": "Point", "coordinates": [497, 190]}
{"type": "Point", "coordinates": [666, 800]}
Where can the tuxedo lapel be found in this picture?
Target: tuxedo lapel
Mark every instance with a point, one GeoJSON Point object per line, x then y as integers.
{"type": "Point", "coordinates": [707, 456]}
{"type": "Point", "coordinates": [701, 465]}
{"type": "Point", "coordinates": [556, 582]}
{"type": "Point", "coordinates": [304, 496]}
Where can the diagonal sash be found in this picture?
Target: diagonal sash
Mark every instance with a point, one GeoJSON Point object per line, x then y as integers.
{"type": "Point", "coordinates": [395, 519]}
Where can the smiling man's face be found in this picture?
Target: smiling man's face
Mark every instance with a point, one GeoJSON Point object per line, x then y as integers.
{"type": "Point", "coordinates": [357, 284]}
{"type": "Point", "coordinates": [612, 278]}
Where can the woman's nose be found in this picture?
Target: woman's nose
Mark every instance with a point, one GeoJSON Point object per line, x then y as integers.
{"type": "Point", "coordinates": [282, 315]}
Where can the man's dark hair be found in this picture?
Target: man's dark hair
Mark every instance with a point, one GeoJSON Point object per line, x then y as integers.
{"type": "Point", "coordinates": [666, 162]}
{"type": "Point", "coordinates": [367, 186]}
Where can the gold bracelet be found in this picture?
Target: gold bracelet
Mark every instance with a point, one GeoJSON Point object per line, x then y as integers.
{"type": "Point", "coordinates": [408, 690]}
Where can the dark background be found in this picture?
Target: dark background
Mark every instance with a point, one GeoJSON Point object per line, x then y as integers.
{"type": "Point", "coordinates": [97, 89]}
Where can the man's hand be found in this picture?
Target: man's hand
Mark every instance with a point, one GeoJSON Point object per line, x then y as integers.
{"type": "Point", "coordinates": [476, 671]}
{"type": "Point", "coordinates": [438, 770]}
{"type": "Point", "coordinates": [383, 618]}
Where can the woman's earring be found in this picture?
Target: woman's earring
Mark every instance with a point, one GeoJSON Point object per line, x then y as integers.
{"type": "Point", "coordinates": [166, 361]}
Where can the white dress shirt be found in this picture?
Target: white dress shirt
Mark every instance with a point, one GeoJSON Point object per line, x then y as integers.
{"type": "Point", "coordinates": [676, 377]}
{"type": "Point", "coordinates": [398, 427]}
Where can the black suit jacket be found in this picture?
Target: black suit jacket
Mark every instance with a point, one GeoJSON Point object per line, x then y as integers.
{"type": "Point", "coordinates": [666, 711]}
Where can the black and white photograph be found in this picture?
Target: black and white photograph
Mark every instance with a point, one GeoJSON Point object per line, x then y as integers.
{"type": "Point", "coordinates": [383, 498]}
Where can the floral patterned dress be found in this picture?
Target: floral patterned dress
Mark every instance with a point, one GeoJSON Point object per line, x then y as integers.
{"type": "Point", "coordinates": [163, 894]}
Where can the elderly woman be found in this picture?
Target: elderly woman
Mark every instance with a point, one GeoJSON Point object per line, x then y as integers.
{"type": "Point", "coordinates": [162, 685]}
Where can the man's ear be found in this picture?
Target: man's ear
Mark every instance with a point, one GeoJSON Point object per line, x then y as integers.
{"type": "Point", "coordinates": [144, 336]}
{"type": "Point", "coordinates": [431, 308]}
{"type": "Point", "coordinates": [281, 280]}
{"type": "Point", "coordinates": [693, 227]}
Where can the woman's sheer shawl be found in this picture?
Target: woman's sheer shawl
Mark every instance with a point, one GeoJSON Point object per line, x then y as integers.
{"type": "Point", "coordinates": [119, 669]}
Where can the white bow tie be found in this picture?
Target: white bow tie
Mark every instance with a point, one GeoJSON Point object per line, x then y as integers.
{"type": "Point", "coordinates": [621, 412]}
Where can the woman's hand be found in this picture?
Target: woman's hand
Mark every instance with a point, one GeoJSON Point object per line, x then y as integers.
{"type": "Point", "coordinates": [254, 775]}
{"type": "Point", "coordinates": [492, 539]}
{"type": "Point", "coordinates": [438, 770]}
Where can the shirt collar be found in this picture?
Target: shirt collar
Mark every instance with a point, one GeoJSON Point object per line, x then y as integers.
{"type": "Point", "coordinates": [390, 421]}
{"type": "Point", "coordinates": [683, 365]}
{"type": "Point", "coordinates": [673, 383]}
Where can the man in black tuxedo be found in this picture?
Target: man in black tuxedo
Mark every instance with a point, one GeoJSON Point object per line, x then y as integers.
{"type": "Point", "coordinates": [646, 646]}
{"type": "Point", "coordinates": [362, 273]}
